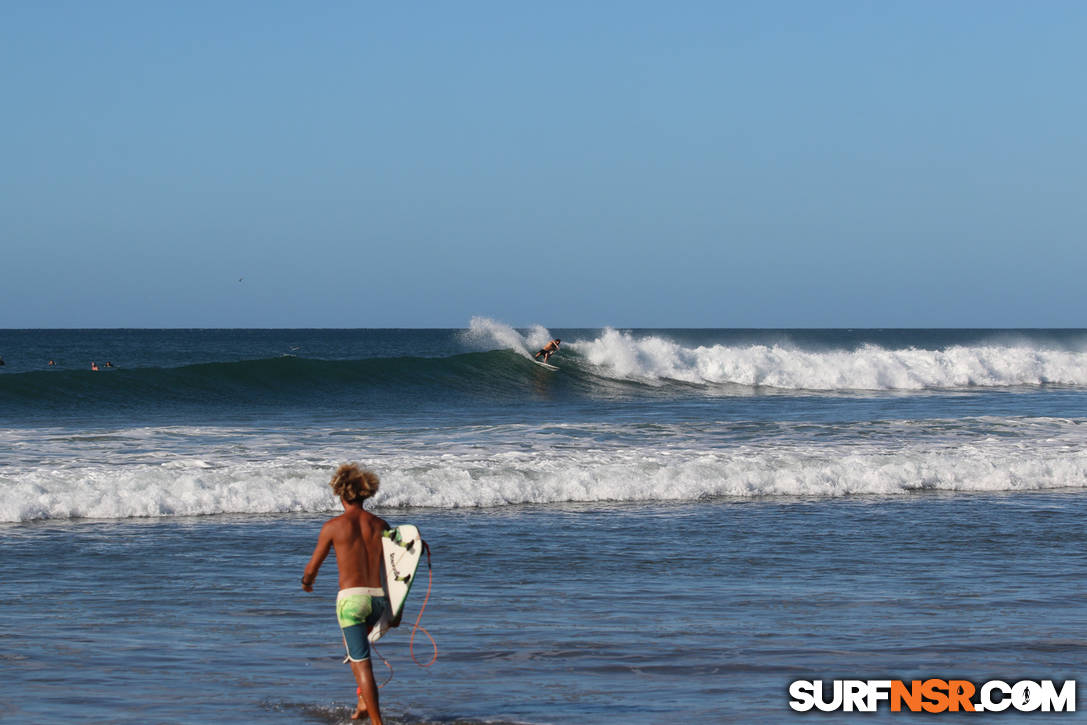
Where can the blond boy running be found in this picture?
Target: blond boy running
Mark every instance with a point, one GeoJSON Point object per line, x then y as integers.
{"type": "Point", "coordinates": [356, 536]}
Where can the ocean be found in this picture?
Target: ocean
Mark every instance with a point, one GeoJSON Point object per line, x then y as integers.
{"type": "Point", "coordinates": [676, 524]}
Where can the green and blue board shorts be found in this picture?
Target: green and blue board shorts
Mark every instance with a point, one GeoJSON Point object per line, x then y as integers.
{"type": "Point", "coordinates": [357, 610]}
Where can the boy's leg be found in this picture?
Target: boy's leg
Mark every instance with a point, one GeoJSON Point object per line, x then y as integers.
{"type": "Point", "coordinates": [360, 705]}
{"type": "Point", "coordinates": [368, 704]}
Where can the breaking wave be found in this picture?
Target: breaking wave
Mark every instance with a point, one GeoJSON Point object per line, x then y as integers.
{"type": "Point", "coordinates": [624, 356]}
{"type": "Point", "coordinates": [1040, 454]}
{"type": "Point", "coordinates": [496, 361]}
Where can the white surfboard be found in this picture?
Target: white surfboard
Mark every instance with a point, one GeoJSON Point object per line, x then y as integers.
{"type": "Point", "coordinates": [401, 548]}
{"type": "Point", "coordinates": [549, 366]}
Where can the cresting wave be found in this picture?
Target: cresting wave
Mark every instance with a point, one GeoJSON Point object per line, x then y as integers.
{"type": "Point", "coordinates": [652, 359]}
{"type": "Point", "coordinates": [267, 381]}
{"type": "Point", "coordinates": [622, 355]}
{"type": "Point", "coordinates": [497, 359]}
{"type": "Point", "coordinates": [468, 479]}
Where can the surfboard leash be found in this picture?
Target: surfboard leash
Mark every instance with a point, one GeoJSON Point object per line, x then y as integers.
{"type": "Point", "coordinates": [417, 627]}
{"type": "Point", "coordinates": [411, 642]}
{"type": "Point", "coordinates": [373, 646]}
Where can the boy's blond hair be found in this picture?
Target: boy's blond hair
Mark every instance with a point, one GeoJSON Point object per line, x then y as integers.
{"type": "Point", "coordinates": [354, 484]}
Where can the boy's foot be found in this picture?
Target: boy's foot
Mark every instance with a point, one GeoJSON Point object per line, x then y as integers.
{"type": "Point", "coordinates": [360, 712]}
{"type": "Point", "coordinates": [360, 709]}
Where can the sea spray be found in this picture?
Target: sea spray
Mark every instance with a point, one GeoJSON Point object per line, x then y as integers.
{"type": "Point", "coordinates": [655, 359]}
{"type": "Point", "coordinates": [487, 334]}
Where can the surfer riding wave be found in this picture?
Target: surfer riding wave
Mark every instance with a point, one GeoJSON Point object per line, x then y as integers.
{"type": "Point", "coordinates": [548, 350]}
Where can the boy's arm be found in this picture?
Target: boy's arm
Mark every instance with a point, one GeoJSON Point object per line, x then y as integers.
{"type": "Point", "coordinates": [324, 545]}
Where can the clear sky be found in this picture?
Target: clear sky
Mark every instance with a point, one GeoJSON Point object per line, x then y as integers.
{"type": "Point", "coordinates": [695, 164]}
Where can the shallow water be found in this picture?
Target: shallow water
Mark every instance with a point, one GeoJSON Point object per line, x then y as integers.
{"type": "Point", "coordinates": [594, 613]}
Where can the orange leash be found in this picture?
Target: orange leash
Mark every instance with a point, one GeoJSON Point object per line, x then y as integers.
{"type": "Point", "coordinates": [373, 646]}
{"type": "Point", "coordinates": [411, 642]}
{"type": "Point", "coordinates": [414, 629]}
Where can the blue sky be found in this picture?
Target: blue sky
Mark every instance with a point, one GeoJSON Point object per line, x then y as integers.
{"type": "Point", "coordinates": [778, 164]}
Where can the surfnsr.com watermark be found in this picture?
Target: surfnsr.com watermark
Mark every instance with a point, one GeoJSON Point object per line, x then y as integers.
{"type": "Point", "coordinates": [933, 695]}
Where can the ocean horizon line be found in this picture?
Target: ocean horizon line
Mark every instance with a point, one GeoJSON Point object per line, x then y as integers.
{"type": "Point", "coordinates": [853, 328]}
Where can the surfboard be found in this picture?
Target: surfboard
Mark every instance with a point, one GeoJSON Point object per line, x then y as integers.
{"type": "Point", "coordinates": [549, 366]}
{"type": "Point", "coordinates": [401, 550]}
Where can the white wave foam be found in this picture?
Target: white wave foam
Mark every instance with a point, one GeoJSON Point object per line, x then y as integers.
{"type": "Point", "coordinates": [167, 490]}
{"type": "Point", "coordinates": [469, 478]}
{"type": "Point", "coordinates": [487, 334]}
{"type": "Point", "coordinates": [623, 356]}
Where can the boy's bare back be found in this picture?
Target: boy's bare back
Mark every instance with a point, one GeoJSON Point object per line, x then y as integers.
{"type": "Point", "coordinates": [356, 537]}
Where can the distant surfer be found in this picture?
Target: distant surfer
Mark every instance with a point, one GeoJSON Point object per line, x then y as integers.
{"type": "Point", "coordinates": [94, 366]}
{"type": "Point", "coordinates": [356, 536]}
{"type": "Point", "coordinates": [548, 350]}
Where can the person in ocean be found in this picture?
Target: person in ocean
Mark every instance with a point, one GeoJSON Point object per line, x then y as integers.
{"type": "Point", "coordinates": [94, 365]}
{"type": "Point", "coordinates": [356, 536]}
{"type": "Point", "coordinates": [548, 350]}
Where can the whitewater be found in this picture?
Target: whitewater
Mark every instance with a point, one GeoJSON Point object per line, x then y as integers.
{"type": "Point", "coordinates": [199, 471]}
{"type": "Point", "coordinates": [626, 356]}
{"type": "Point", "coordinates": [215, 422]}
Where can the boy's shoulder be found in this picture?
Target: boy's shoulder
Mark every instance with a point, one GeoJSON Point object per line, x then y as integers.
{"type": "Point", "coordinates": [376, 521]}
{"type": "Point", "coordinates": [356, 517]}
{"type": "Point", "coordinates": [334, 520]}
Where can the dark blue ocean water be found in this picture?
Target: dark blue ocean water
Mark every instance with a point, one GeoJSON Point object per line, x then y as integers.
{"type": "Point", "coordinates": [677, 523]}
